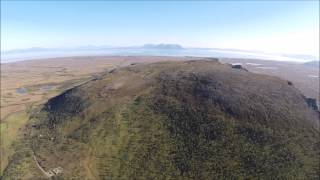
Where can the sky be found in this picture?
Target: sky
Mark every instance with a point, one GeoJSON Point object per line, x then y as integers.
{"type": "Point", "coordinates": [269, 26]}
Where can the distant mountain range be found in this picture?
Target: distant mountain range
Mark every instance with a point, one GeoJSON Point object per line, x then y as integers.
{"type": "Point", "coordinates": [147, 49]}
{"type": "Point", "coordinates": [302, 56]}
{"type": "Point", "coordinates": [90, 47]}
{"type": "Point", "coordinates": [162, 46]}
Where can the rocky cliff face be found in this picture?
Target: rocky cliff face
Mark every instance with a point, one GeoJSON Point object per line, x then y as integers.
{"type": "Point", "coordinates": [64, 106]}
{"type": "Point", "coordinates": [312, 103]}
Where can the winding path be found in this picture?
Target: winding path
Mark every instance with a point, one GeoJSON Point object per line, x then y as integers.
{"type": "Point", "coordinates": [47, 174]}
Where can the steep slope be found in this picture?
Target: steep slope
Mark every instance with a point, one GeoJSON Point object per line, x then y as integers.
{"type": "Point", "coordinates": [177, 120]}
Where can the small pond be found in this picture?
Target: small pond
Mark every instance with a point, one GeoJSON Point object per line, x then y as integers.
{"type": "Point", "coordinates": [47, 87]}
{"type": "Point", "coordinates": [21, 90]}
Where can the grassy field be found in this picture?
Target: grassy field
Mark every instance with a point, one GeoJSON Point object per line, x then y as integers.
{"type": "Point", "coordinates": [11, 130]}
{"type": "Point", "coordinates": [31, 82]}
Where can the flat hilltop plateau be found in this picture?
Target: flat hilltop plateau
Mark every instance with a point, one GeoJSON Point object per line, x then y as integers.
{"type": "Point", "coordinates": [156, 118]}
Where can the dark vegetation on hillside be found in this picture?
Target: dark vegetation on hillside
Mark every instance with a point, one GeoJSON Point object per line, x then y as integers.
{"type": "Point", "coordinates": [178, 120]}
{"type": "Point", "coordinates": [63, 106]}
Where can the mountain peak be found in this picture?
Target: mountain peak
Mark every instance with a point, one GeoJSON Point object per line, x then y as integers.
{"type": "Point", "coordinates": [162, 46]}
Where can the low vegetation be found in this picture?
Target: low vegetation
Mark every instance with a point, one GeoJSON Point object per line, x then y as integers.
{"type": "Point", "coordinates": [173, 120]}
{"type": "Point", "coordinates": [10, 132]}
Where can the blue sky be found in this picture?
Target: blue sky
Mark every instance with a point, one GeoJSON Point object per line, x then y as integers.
{"type": "Point", "coordinates": [271, 26]}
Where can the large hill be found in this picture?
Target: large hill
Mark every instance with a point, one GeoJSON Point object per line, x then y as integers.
{"type": "Point", "coordinates": [172, 120]}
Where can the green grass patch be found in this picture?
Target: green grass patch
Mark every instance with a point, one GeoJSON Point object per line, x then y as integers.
{"type": "Point", "coordinates": [10, 131]}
